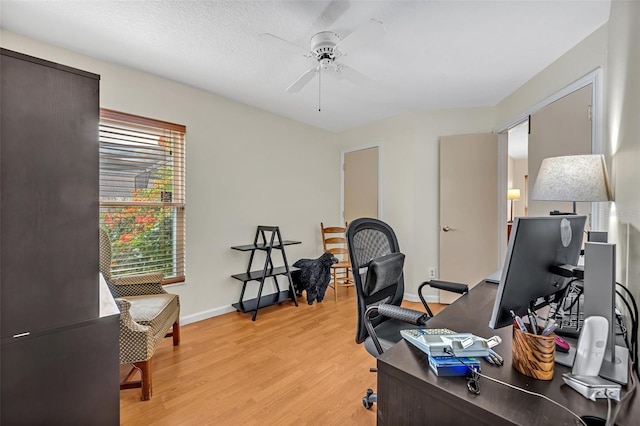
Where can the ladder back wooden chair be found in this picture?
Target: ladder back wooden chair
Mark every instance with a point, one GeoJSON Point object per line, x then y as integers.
{"type": "Point", "coordinates": [334, 241]}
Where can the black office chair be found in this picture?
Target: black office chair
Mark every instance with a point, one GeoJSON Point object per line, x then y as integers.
{"type": "Point", "coordinates": [377, 265]}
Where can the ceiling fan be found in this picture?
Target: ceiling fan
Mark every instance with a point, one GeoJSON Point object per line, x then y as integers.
{"type": "Point", "coordinates": [327, 47]}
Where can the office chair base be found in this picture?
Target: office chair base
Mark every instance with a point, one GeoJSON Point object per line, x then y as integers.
{"type": "Point", "coordinates": [369, 399]}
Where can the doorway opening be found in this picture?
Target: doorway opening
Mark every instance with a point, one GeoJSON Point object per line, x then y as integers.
{"type": "Point", "coordinates": [517, 171]}
{"type": "Point", "coordinates": [360, 183]}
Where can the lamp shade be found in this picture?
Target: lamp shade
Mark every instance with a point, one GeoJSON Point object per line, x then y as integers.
{"type": "Point", "coordinates": [513, 194]}
{"type": "Point", "coordinates": [572, 178]}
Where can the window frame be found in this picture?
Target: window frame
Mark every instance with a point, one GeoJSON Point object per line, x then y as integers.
{"type": "Point", "coordinates": [178, 195]}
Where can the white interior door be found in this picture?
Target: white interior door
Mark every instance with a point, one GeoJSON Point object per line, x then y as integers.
{"type": "Point", "coordinates": [469, 215]}
{"type": "Point", "coordinates": [360, 171]}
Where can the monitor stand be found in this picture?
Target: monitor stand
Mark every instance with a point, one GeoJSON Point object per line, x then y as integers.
{"type": "Point", "coordinates": [600, 299]}
{"type": "Point", "coordinates": [566, 358]}
{"type": "Point", "coordinates": [615, 370]}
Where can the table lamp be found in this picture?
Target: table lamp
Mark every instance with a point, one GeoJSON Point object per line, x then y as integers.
{"type": "Point", "coordinates": [572, 178]}
{"type": "Point", "coordinates": [513, 195]}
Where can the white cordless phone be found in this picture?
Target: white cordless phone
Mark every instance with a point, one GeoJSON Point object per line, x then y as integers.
{"type": "Point", "coordinates": [591, 346]}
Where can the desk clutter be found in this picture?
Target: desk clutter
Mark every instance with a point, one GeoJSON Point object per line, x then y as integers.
{"type": "Point", "coordinates": [533, 348]}
{"type": "Point", "coordinates": [533, 354]}
{"type": "Point", "coordinates": [451, 353]}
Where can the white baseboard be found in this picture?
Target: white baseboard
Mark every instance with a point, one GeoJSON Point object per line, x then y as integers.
{"type": "Point", "coordinates": [226, 309]}
{"type": "Point", "coordinates": [430, 298]}
{"type": "Point", "coordinates": [206, 314]}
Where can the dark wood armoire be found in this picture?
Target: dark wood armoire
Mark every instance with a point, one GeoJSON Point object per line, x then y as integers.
{"type": "Point", "coordinates": [59, 358]}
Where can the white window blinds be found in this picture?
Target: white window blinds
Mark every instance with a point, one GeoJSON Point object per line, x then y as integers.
{"type": "Point", "coordinates": [142, 194]}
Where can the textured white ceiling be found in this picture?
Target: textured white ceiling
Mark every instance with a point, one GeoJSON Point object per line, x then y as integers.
{"type": "Point", "coordinates": [435, 54]}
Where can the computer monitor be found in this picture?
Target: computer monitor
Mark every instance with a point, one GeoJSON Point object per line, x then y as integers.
{"type": "Point", "coordinates": [536, 245]}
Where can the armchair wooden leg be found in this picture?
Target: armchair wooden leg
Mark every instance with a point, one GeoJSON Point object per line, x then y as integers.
{"type": "Point", "coordinates": [176, 333]}
{"type": "Point", "coordinates": [335, 283]}
{"type": "Point", "coordinates": [145, 372]}
{"type": "Point", "coordinates": [145, 379]}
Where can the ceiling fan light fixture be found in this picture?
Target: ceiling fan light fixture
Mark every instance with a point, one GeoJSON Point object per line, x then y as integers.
{"type": "Point", "coordinates": [323, 44]}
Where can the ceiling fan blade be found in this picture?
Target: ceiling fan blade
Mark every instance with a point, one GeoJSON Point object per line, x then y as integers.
{"type": "Point", "coordinates": [284, 45]}
{"type": "Point", "coordinates": [303, 80]}
{"type": "Point", "coordinates": [352, 75]}
{"type": "Point", "coordinates": [329, 15]}
{"type": "Point", "coordinates": [361, 36]}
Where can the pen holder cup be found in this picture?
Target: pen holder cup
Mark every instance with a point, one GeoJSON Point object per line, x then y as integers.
{"type": "Point", "coordinates": [533, 355]}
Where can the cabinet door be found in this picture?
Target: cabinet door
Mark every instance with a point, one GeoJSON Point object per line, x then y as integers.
{"type": "Point", "coordinates": [48, 195]}
{"type": "Point", "coordinates": [67, 377]}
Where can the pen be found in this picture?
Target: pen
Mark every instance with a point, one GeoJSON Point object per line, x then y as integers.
{"type": "Point", "coordinates": [533, 322]}
{"type": "Point", "coordinates": [496, 356]}
{"type": "Point", "coordinates": [518, 321]}
{"type": "Point", "coordinates": [549, 329]}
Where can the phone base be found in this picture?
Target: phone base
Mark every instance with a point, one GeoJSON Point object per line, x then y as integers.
{"type": "Point", "coordinates": [617, 370]}
{"type": "Point", "coordinates": [592, 387]}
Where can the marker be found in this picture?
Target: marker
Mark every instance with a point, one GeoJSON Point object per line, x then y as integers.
{"type": "Point", "coordinates": [519, 322]}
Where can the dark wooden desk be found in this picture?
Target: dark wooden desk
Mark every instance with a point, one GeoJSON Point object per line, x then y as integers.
{"type": "Point", "coordinates": [409, 393]}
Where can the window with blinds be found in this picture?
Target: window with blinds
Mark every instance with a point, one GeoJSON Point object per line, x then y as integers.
{"type": "Point", "coordinates": [142, 194]}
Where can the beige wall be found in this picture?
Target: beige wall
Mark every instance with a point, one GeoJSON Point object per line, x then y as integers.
{"type": "Point", "coordinates": [229, 148]}
{"type": "Point", "coordinates": [410, 177]}
{"type": "Point", "coordinates": [225, 137]}
{"type": "Point", "coordinates": [585, 57]}
{"type": "Point", "coordinates": [614, 48]}
{"type": "Point", "coordinates": [562, 128]}
{"type": "Point", "coordinates": [622, 138]}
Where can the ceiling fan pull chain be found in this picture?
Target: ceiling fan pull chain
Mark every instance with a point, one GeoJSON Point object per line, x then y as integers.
{"type": "Point", "coordinates": [319, 87]}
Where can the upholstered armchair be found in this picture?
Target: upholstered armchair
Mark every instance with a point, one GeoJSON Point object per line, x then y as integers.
{"type": "Point", "coordinates": [147, 314]}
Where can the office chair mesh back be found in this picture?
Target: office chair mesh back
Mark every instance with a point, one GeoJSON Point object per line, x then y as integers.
{"type": "Point", "coordinates": [369, 239]}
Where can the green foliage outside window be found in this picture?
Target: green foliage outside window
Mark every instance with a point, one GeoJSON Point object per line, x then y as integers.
{"type": "Point", "coordinates": [142, 236]}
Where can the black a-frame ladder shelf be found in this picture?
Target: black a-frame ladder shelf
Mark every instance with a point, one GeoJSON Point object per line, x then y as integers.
{"type": "Point", "coordinates": [267, 239]}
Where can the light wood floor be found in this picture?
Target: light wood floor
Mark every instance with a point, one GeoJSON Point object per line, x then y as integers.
{"type": "Point", "coordinates": [292, 366]}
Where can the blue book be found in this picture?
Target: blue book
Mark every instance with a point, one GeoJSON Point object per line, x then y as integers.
{"type": "Point", "coordinates": [450, 366]}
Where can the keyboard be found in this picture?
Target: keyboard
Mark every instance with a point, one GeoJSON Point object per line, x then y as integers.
{"type": "Point", "coordinates": [570, 325]}
{"type": "Point", "coordinates": [570, 321]}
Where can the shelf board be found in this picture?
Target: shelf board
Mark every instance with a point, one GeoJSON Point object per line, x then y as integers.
{"type": "Point", "coordinates": [257, 275]}
{"type": "Point", "coordinates": [262, 246]}
{"type": "Point", "coordinates": [268, 300]}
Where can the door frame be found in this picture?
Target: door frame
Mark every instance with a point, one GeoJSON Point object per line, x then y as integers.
{"type": "Point", "coordinates": [597, 112]}
{"type": "Point", "coordinates": [345, 151]}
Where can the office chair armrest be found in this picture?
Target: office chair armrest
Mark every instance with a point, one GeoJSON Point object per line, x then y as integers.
{"type": "Point", "coordinates": [409, 316]}
{"type": "Point", "coordinates": [441, 285]}
{"type": "Point", "coordinates": [403, 314]}
{"type": "Point", "coordinates": [447, 285]}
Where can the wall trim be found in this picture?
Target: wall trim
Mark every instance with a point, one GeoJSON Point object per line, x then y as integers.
{"type": "Point", "coordinates": [430, 298]}
{"type": "Point", "coordinates": [210, 313]}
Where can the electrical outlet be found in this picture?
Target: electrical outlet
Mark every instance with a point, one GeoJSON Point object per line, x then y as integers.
{"type": "Point", "coordinates": [432, 272]}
